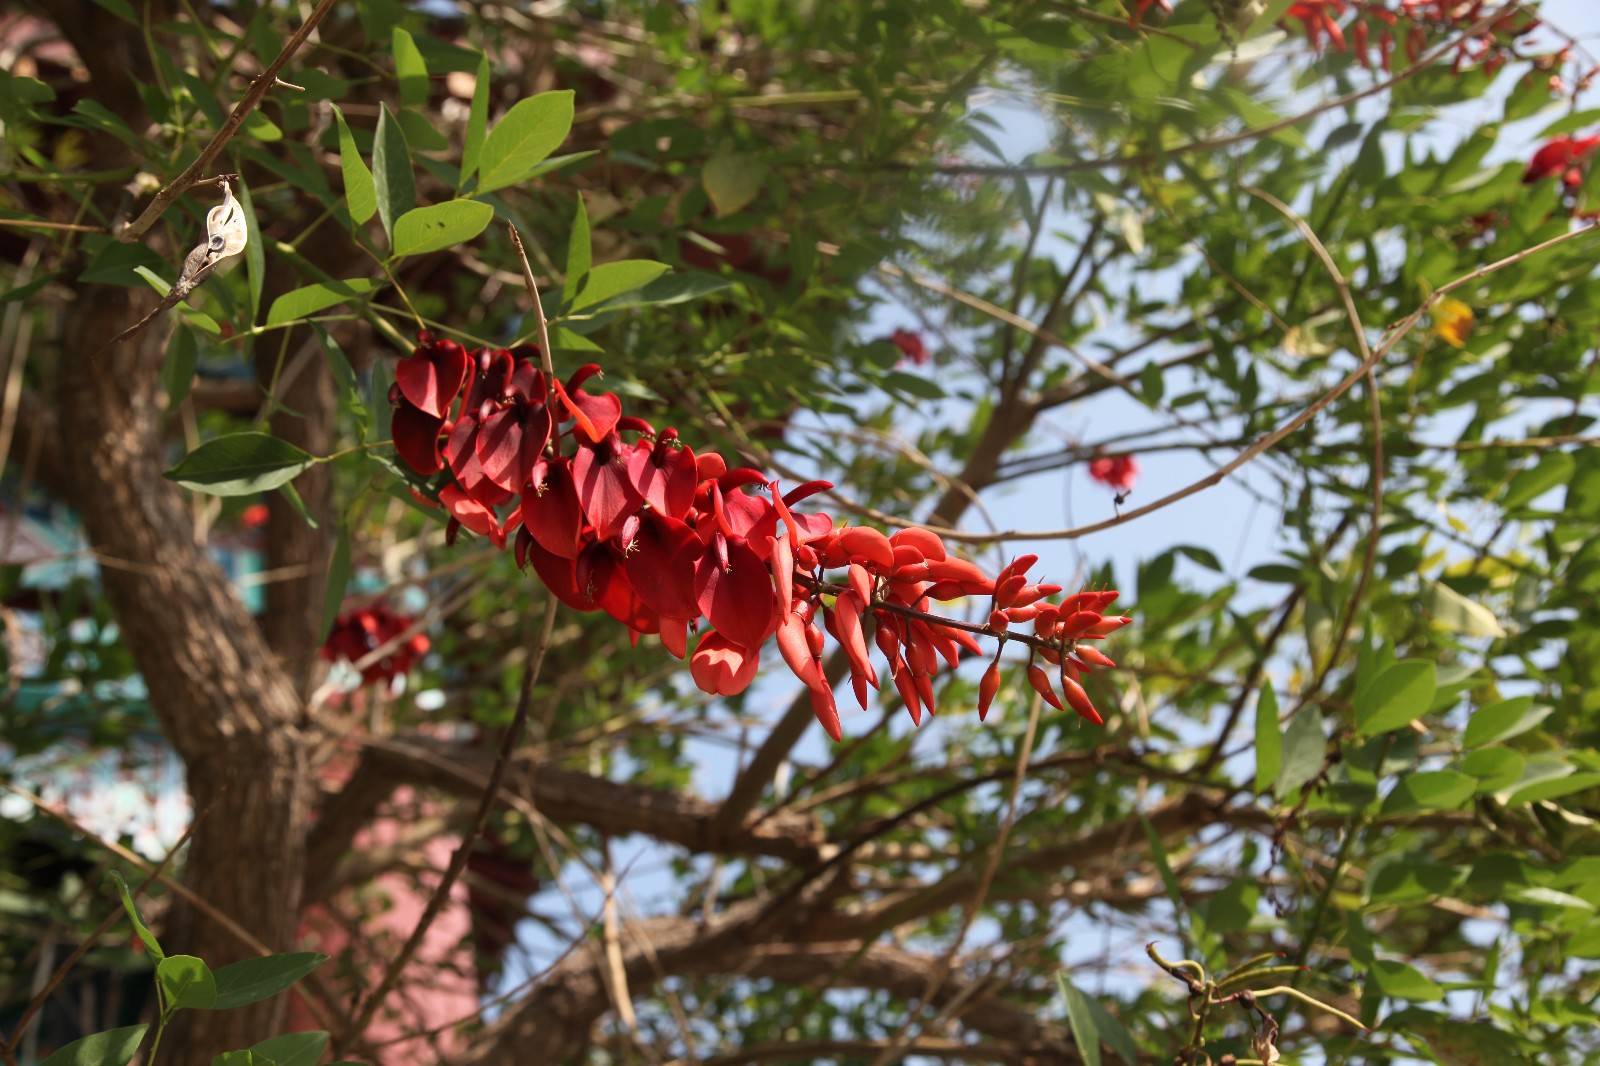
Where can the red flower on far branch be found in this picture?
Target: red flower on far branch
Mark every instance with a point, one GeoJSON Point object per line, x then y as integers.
{"type": "Point", "coordinates": [911, 344]}
{"type": "Point", "coordinates": [615, 516]}
{"type": "Point", "coordinates": [1140, 7]}
{"type": "Point", "coordinates": [1562, 155]}
{"type": "Point", "coordinates": [1116, 472]}
{"type": "Point", "coordinates": [357, 633]}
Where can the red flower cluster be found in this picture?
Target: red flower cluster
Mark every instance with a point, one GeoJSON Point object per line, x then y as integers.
{"type": "Point", "coordinates": [663, 539]}
{"type": "Point", "coordinates": [1564, 156]}
{"type": "Point", "coordinates": [357, 633]}
{"type": "Point", "coordinates": [1378, 20]}
{"type": "Point", "coordinates": [911, 344]}
{"type": "Point", "coordinates": [1116, 472]}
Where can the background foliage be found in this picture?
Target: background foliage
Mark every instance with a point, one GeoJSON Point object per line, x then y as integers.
{"type": "Point", "coordinates": [1364, 744]}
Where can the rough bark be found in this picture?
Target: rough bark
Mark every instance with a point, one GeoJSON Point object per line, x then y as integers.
{"type": "Point", "coordinates": [226, 707]}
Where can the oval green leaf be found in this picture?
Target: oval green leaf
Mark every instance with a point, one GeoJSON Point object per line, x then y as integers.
{"type": "Point", "coordinates": [186, 983]}
{"type": "Point", "coordinates": [441, 226]}
{"type": "Point", "coordinates": [252, 980]}
{"type": "Point", "coordinates": [614, 279]}
{"type": "Point", "coordinates": [1503, 720]}
{"type": "Point", "coordinates": [114, 1047]}
{"type": "Point", "coordinates": [732, 182]}
{"type": "Point", "coordinates": [360, 194]}
{"type": "Point", "coordinates": [1400, 981]}
{"type": "Point", "coordinates": [293, 1049]}
{"type": "Point", "coordinates": [394, 184]}
{"type": "Point", "coordinates": [1431, 790]}
{"type": "Point", "coordinates": [523, 137]}
{"type": "Point", "coordinates": [1401, 693]}
{"type": "Point", "coordinates": [240, 464]}
{"type": "Point", "coordinates": [309, 299]}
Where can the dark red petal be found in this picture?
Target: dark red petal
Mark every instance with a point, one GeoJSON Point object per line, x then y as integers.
{"type": "Point", "coordinates": [661, 564]}
{"type": "Point", "coordinates": [560, 577]}
{"type": "Point", "coordinates": [738, 598]}
{"type": "Point", "coordinates": [416, 438]}
{"type": "Point", "coordinates": [553, 515]}
{"type": "Point", "coordinates": [721, 667]}
{"type": "Point", "coordinates": [432, 376]}
{"type": "Point", "coordinates": [608, 497]}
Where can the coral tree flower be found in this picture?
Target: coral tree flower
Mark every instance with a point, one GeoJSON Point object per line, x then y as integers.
{"type": "Point", "coordinates": [357, 633]}
{"type": "Point", "coordinates": [1116, 472]}
{"type": "Point", "coordinates": [1562, 156]}
{"type": "Point", "coordinates": [911, 344]}
{"type": "Point", "coordinates": [618, 517]}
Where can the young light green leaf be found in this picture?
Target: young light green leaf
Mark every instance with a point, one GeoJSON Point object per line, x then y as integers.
{"type": "Point", "coordinates": [262, 128]}
{"type": "Point", "coordinates": [1085, 1034]}
{"type": "Point", "coordinates": [432, 229]}
{"type": "Point", "coordinates": [142, 931]}
{"type": "Point", "coordinates": [253, 980]}
{"type": "Point", "coordinates": [1555, 468]}
{"type": "Point", "coordinates": [579, 253]}
{"type": "Point", "coordinates": [672, 289]}
{"type": "Point", "coordinates": [338, 578]}
{"type": "Point", "coordinates": [1401, 693]}
{"type": "Point", "coordinates": [240, 464]}
{"type": "Point", "coordinates": [477, 123]}
{"type": "Point", "coordinates": [255, 256]}
{"type": "Point", "coordinates": [114, 1047]}
{"type": "Point", "coordinates": [1502, 721]}
{"type": "Point", "coordinates": [309, 299]}
{"type": "Point", "coordinates": [1303, 746]}
{"type": "Point", "coordinates": [409, 69]}
{"type": "Point", "coordinates": [732, 181]}
{"type": "Point", "coordinates": [359, 192]}
{"type": "Point", "coordinates": [1269, 738]}
{"type": "Point", "coordinates": [1494, 768]}
{"type": "Point", "coordinates": [1400, 981]}
{"type": "Point", "coordinates": [186, 983]}
{"type": "Point", "coordinates": [523, 137]}
{"type": "Point", "coordinates": [394, 184]}
{"type": "Point", "coordinates": [293, 1049]}
{"type": "Point", "coordinates": [1431, 790]}
{"type": "Point", "coordinates": [614, 279]}
{"type": "Point", "coordinates": [1455, 612]}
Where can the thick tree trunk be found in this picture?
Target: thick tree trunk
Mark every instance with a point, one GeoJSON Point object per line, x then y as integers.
{"type": "Point", "coordinates": [222, 699]}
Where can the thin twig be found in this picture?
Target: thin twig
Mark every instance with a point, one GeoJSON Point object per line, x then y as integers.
{"type": "Point", "coordinates": [241, 111]}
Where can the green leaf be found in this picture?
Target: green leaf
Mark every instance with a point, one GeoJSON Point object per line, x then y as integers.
{"type": "Point", "coordinates": [613, 279]}
{"type": "Point", "coordinates": [186, 983]}
{"type": "Point", "coordinates": [120, 8]}
{"type": "Point", "coordinates": [114, 1047]}
{"type": "Point", "coordinates": [1494, 768]}
{"type": "Point", "coordinates": [142, 931]}
{"type": "Point", "coordinates": [1502, 721]}
{"type": "Point", "coordinates": [240, 464]}
{"type": "Point", "coordinates": [1437, 790]}
{"type": "Point", "coordinates": [360, 194]}
{"type": "Point", "coordinates": [253, 980]}
{"type": "Point", "coordinates": [338, 578]}
{"type": "Point", "coordinates": [240, 1058]}
{"type": "Point", "coordinates": [579, 254]}
{"type": "Point", "coordinates": [1269, 738]}
{"type": "Point", "coordinates": [1401, 693]}
{"type": "Point", "coordinates": [732, 181]}
{"type": "Point", "coordinates": [255, 256]}
{"type": "Point", "coordinates": [1085, 1034]}
{"type": "Point", "coordinates": [293, 1049]}
{"type": "Point", "coordinates": [409, 69]}
{"type": "Point", "coordinates": [1556, 468]}
{"type": "Point", "coordinates": [309, 299]}
{"type": "Point", "coordinates": [441, 226]}
{"type": "Point", "coordinates": [1553, 788]}
{"type": "Point", "coordinates": [673, 289]}
{"type": "Point", "coordinates": [115, 262]}
{"type": "Point", "coordinates": [177, 373]}
{"type": "Point", "coordinates": [1540, 896]}
{"type": "Point", "coordinates": [1455, 612]}
{"type": "Point", "coordinates": [394, 185]}
{"type": "Point", "coordinates": [1303, 749]}
{"type": "Point", "coordinates": [913, 384]}
{"type": "Point", "coordinates": [1577, 120]}
{"type": "Point", "coordinates": [290, 493]}
{"type": "Point", "coordinates": [523, 137]}
{"type": "Point", "coordinates": [477, 123]}
{"type": "Point", "coordinates": [420, 133]}
{"type": "Point", "coordinates": [1400, 981]}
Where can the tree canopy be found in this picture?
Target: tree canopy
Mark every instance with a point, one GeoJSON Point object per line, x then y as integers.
{"type": "Point", "coordinates": [1030, 531]}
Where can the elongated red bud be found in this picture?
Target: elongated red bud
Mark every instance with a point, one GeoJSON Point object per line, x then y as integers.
{"type": "Point", "coordinates": [861, 582]}
{"type": "Point", "coordinates": [999, 622]}
{"type": "Point", "coordinates": [988, 687]}
{"type": "Point", "coordinates": [827, 712]}
{"type": "Point", "coordinates": [1080, 701]}
{"type": "Point", "coordinates": [907, 686]}
{"type": "Point", "coordinates": [796, 650]}
{"type": "Point", "coordinates": [846, 617]}
{"type": "Point", "coordinates": [815, 639]}
{"type": "Point", "coordinates": [1108, 625]}
{"type": "Point", "coordinates": [1041, 684]}
{"type": "Point", "coordinates": [783, 571]}
{"type": "Point", "coordinates": [1093, 656]}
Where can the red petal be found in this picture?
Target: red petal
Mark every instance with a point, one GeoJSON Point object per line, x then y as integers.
{"type": "Point", "coordinates": [432, 376]}
{"type": "Point", "coordinates": [416, 438]}
{"type": "Point", "coordinates": [796, 651]}
{"type": "Point", "coordinates": [608, 497]}
{"type": "Point", "coordinates": [987, 688]}
{"type": "Point", "coordinates": [554, 516]}
{"type": "Point", "coordinates": [827, 712]}
{"type": "Point", "coordinates": [721, 667]}
{"type": "Point", "coordinates": [738, 600]}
